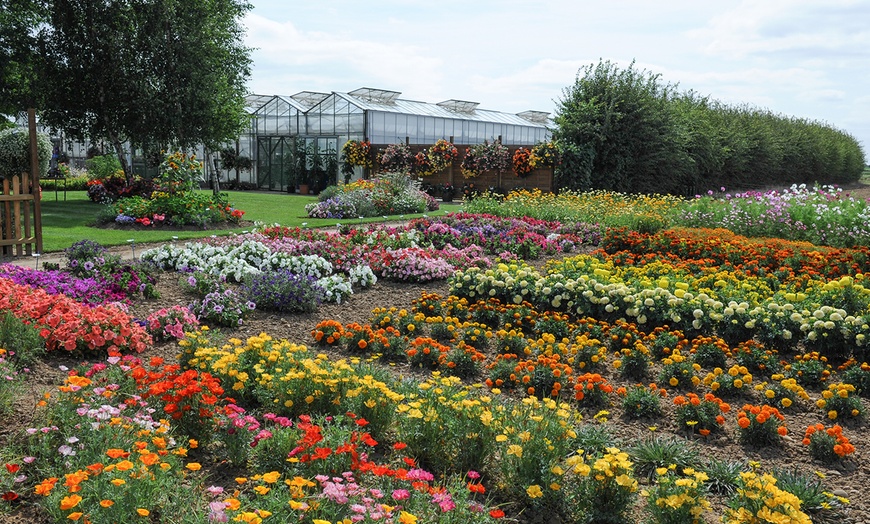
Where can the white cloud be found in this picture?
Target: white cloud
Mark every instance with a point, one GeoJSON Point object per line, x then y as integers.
{"type": "Point", "coordinates": [806, 58]}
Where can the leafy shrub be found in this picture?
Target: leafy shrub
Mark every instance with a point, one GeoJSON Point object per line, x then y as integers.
{"type": "Point", "coordinates": [660, 452]}
{"type": "Point", "coordinates": [170, 322]}
{"type": "Point", "coordinates": [201, 284]}
{"type": "Point", "coordinates": [15, 152]}
{"type": "Point", "coordinates": [760, 425]}
{"type": "Point", "coordinates": [677, 498]}
{"type": "Point", "coordinates": [827, 444]}
{"type": "Point", "coordinates": [101, 167]}
{"type": "Point", "coordinates": [841, 401]}
{"type": "Point", "coordinates": [700, 415]}
{"type": "Point", "coordinates": [856, 374]}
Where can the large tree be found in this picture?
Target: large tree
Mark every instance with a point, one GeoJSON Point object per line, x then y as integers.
{"type": "Point", "coordinates": [149, 73]}
{"type": "Point", "coordinates": [19, 22]}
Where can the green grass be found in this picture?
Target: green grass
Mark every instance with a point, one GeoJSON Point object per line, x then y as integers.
{"type": "Point", "coordinates": [67, 222]}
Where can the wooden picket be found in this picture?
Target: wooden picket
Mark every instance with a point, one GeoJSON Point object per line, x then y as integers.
{"type": "Point", "coordinates": [18, 218]}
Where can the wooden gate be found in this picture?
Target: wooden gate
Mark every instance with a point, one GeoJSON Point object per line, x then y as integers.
{"type": "Point", "coordinates": [18, 217]}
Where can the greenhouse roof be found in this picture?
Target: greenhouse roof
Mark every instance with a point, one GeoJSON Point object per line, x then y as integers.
{"type": "Point", "coordinates": [388, 101]}
{"type": "Point", "coordinates": [449, 109]}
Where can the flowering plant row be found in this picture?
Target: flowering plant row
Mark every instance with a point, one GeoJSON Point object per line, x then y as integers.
{"type": "Point", "coordinates": [735, 306]}
{"type": "Point", "coordinates": [541, 155]}
{"type": "Point", "coordinates": [825, 215]}
{"type": "Point", "coordinates": [67, 325]}
{"type": "Point", "coordinates": [391, 193]}
{"type": "Point", "coordinates": [778, 260]}
{"type": "Point", "coordinates": [139, 462]}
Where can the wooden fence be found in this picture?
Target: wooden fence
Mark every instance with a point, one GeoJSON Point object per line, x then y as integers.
{"type": "Point", "coordinates": [18, 218]}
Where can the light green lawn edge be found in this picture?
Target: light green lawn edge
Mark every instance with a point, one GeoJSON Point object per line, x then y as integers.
{"type": "Point", "coordinates": [67, 222]}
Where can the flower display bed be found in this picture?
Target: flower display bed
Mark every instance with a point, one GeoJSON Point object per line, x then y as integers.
{"type": "Point", "coordinates": [533, 361]}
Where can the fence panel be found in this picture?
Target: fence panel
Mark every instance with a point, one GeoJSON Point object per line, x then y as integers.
{"type": "Point", "coordinates": [17, 217]}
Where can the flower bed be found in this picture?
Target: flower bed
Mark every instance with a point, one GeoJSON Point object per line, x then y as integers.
{"type": "Point", "coordinates": [507, 385]}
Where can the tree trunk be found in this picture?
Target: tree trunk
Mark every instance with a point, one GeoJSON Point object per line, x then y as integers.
{"type": "Point", "coordinates": [237, 164]}
{"type": "Point", "coordinates": [119, 150]}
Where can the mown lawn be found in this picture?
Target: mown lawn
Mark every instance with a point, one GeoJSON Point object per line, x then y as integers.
{"type": "Point", "coordinates": [67, 222]}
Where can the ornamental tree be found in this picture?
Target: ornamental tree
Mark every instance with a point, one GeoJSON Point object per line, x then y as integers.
{"type": "Point", "coordinates": [150, 74]}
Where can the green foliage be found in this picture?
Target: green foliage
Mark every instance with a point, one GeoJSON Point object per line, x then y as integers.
{"type": "Point", "coordinates": [15, 152]}
{"type": "Point", "coordinates": [156, 74]}
{"type": "Point", "coordinates": [722, 475]}
{"type": "Point", "coordinates": [816, 500]}
{"type": "Point", "coordinates": [660, 452]}
{"type": "Point", "coordinates": [76, 183]}
{"type": "Point", "coordinates": [677, 497]}
{"type": "Point", "coordinates": [18, 54]}
{"type": "Point", "coordinates": [22, 342]}
{"type": "Point", "coordinates": [627, 118]}
{"type": "Point", "coordinates": [102, 166]}
{"type": "Point", "coordinates": [647, 137]}
{"type": "Point", "coordinates": [641, 402]}
{"type": "Point", "coordinates": [594, 440]}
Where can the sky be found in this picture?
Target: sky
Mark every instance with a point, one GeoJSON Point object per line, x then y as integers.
{"type": "Point", "coordinates": [807, 59]}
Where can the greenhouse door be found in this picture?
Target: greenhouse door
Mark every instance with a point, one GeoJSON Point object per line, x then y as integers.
{"type": "Point", "coordinates": [277, 163]}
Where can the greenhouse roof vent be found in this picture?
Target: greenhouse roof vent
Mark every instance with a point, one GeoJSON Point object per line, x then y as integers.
{"type": "Point", "coordinates": [309, 99]}
{"type": "Point", "coordinates": [538, 117]}
{"type": "Point", "coordinates": [459, 106]}
{"type": "Point", "coordinates": [381, 96]}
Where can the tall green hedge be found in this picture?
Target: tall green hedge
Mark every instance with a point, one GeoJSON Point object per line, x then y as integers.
{"type": "Point", "coordinates": [626, 130]}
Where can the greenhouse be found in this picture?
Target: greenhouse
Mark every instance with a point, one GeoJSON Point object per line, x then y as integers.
{"type": "Point", "coordinates": [298, 138]}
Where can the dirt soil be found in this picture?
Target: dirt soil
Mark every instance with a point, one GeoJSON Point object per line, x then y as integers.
{"type": "Point", "coordinates": [848, 479]}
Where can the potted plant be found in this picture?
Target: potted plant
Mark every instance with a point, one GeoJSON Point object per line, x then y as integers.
{"type": "Point", "coordinates": [447, 192]}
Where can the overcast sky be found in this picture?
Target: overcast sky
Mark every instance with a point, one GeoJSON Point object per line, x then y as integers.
{"type": "Point", "coordinates": [802, 58]}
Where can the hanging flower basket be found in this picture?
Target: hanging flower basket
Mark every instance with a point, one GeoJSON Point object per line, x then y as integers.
{"type": "Point", "coordinates": [435, 159]}
{"type": "Point", "coordinates": [357, 153]}
{"type": "Point", "coordinates": [485, 157]}
{"type": "Point", "coordinates": [397, 158]}
{"type": "Point", "coordinates": [522, 162]}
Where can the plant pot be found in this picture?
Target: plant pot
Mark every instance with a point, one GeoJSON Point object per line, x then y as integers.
{"type": "Point", "coordinates": [303, 189]}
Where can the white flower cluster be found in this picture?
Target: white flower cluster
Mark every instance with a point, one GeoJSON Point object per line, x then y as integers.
{"type": "Point", "coordinates": [362, 276]}
{"type": "Point", "coordinates": [335, 288]}
{"type": "Point", "coordinates": [234, 262]}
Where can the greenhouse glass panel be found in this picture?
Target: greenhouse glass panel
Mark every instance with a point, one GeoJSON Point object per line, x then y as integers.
{"type": "Point", "coordinates": [327, 124]}
{"type": "Point", "coordinates": [401, 127]}
{"type": "Point", "coordinates": [439, 129]}
{"type": "Point", "coordinates": [376, 125]}
{"type": "Point", "coordinates": [429, 131]}
{"type": "Point", "coordinates": [389, 128]}
{"type": "Point", "coordinates": [489, 132]}
{"type": "Point", "coordinates": [356, 124]}
{"type": "Point", "coordinates": [341, 123]}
